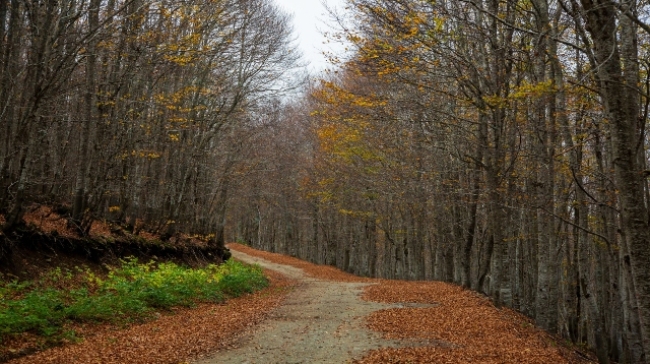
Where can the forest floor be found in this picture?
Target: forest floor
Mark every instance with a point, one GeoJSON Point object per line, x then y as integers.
{"type": "Point", "coordinates": [319, 314]}
{"type": "Point", "coordinates": [335, 317]}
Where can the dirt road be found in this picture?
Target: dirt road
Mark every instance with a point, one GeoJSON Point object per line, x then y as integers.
{"type": "Point", "coordinates": [320, 322]}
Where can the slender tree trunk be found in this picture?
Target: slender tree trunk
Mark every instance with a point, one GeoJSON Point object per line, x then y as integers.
{"type": "Point", "coordinates": [466, 259]}
{"type": "Point", "coordinates": [85, 158]}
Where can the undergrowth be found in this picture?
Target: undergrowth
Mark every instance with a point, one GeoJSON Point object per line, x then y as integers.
{"type": "Point", "coordinates": [129, 293]}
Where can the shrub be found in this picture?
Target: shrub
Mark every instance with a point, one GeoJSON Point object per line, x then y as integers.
{"type": "Point", "coordinates": [240, 279]}
{"type": "Point", "coordinates": [128, 293]}
{"type": "Point", "coordinates": [40, 311]}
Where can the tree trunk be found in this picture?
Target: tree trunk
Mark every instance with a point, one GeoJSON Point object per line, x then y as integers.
{"type": "Point", "coordinates": [85, 158]}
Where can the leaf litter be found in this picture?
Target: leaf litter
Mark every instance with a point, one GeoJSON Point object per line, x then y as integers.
{"type": "Point", "coordinates": [449, 323]}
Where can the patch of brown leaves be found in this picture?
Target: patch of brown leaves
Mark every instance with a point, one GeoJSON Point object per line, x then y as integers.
{"type": "Point", "coordinates": [189, 240]}
{"type": "Point", "coordinates": [468, 327]}
{"type": "Point", "coordinates": [313, 270]}
{"type": "Point", "coordinates": [184, 335]}
{"type": "Point", "coordinates": [48, 221]}
{"type": "Point", "coordinates": [100, 228]}
{"type": "Point", "coordinates": [148, 235]}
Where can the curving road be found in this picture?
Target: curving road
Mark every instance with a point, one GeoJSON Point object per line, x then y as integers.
{"type": "Point", "coordinates": [319, 322]}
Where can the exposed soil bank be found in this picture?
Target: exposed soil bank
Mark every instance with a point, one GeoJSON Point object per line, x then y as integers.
{"type": "Point", "coordinates": [30, 252]}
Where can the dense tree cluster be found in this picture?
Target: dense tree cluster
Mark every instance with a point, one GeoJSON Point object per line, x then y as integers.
{"type": "Point", "coordinates": [132, 109]}
{"type": "Point", "coordinates": [498, 144]}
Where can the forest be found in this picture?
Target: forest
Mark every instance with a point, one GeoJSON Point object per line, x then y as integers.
{"type": "Point", "coordinates": [500, 145]}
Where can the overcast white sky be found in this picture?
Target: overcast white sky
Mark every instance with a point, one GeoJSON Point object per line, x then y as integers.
{"type": "Point", "coordinates": [309, 20]}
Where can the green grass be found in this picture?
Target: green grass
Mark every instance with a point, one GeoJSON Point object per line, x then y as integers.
{"type": "Point", "coordinates": [130, 293]}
